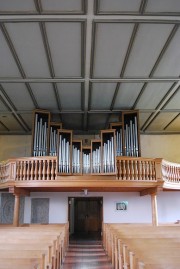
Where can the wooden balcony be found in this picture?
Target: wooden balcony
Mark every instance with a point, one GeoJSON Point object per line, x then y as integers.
{"type": "Point", "coordinates": [132, 174]}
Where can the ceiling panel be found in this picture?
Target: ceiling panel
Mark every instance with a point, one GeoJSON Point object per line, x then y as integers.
{"type": "Point", "coordinates": [127, 95]}
{"type": "Point", "coordinates": [65, 43]}
{"type": "Point", "coordinates": [161, 121]}
{"type": "Point", "coordinates": [175, 125]}
{"type": "Point", "coordinates": [163, 6]}
{"type": "Point", "coordinates": [118, 6]}
{"type": "Point", "coordinates": [70, 95]}
{"type": "Point", "coordinates": [72, 121]}
{"type": "Point", "coordinates": [153, 94]}
{"type": "Point", "coordinates": [28, 44]}
{"type": "Point", "coordinates": [174, 103]}
{"type": "Point", "coordinates": [143, 118]}
{"type": "Point", "coordinates": [44, 94]}
{"type": "Point", "coordinates": [28, 118]}
{"type": "Point", "coordinates": [110, 49]}
{"type": "Point", "coordinates": [102, 94]}
{"type": "Point", "coordinates": [11, 123]}
{"type": "Point", "coordinates": [18, 92]}
{"type": "Point", "coordinates": [8, 66]}
{"type": "Point", "coordinates": [145, 52]}
{"type": "Point", "coordinates": [62, 6]}
{"type": "Point", "coordinates": [170, 64]}
{"type": "Point", "coordinates": [2, 127]}
{"type": "Point", "coordinates": [2, 106]}
{"type": "Point", "coordinates": [97, 121]}
{"type": "Point", "coordinates": [17, 6]}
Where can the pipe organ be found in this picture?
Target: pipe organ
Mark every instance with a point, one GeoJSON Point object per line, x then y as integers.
{"type": "Point", "coordinates": [122, 139]}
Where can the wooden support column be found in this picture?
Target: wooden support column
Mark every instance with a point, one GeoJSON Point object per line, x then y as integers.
{"type": "Point", "coordinates": [16, 210]}
{"type": "Point", "coordinates": [154, 209]}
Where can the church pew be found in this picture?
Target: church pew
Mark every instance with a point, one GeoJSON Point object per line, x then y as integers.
{"type": "Point", "coordinates": [124, 243]}
{"type": "Point", "coordinates": [47, 242]}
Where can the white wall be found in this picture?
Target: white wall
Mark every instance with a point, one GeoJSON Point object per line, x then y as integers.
{"type": "Point", "coordinates": [139, 207]}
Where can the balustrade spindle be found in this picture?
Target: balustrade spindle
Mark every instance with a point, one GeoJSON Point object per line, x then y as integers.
{"type": "Point", "coordinates": [21, 170]}
{"type": "Point", "coordinates": [139, 170]}
{"type": "Point", "coordinates": [32, 170]}
{"type": "Point", "coordinates": [128, 177]}
{"type": "Point", "coordinates": [35, 169]}
{"type": "Point", "coordinates": [28, 169]}
{"type": "Point", "coordinates": [143, 171]}
{"type": "Point", "coordinates": [44, 169]}
{"type": "Point", "coordinates": [136, 170]}
{"type": "Point", "coordinates": [132, 169]}
{"type": "Point", "coordinates": [150, 171]}
{"type": "Point", "coordinates": [40, 169]}
{"type": "Point", "coordinates": [48, 170]}
{"type": "Point", "coordinates": [146, 170]}
{"type": "Point", "coordinates": [118, 169]}
{"type": "Point", "coordinates": [51, 170]}
{"type": "Point", "coordinates": [121, 169]}
{"type": "Point", "coordinates": [124, 170]}
{"type": "Point", "coordinates": [24, 170]}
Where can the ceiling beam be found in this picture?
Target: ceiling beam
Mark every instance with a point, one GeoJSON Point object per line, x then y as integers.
{"type": "Point", "coordinates": [48, 54]}
{"type": "Point", "coordinates": [88, 60]}
{"type": "Point", "coordinates": [99, 111]}
{"type": "Point", "coordinates": [102, 18]}
{"type": "Point", "coordinates": [93, 80]}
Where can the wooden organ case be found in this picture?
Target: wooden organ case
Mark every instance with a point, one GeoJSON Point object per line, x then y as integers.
{"type": "Point", "coordinates": [99, 158]}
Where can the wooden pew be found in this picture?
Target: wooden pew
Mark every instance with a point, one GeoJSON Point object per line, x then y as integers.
{"type": "Point", "coordinates": [35, 247]}
{"type": "Point", "coordinates": [142, 246]}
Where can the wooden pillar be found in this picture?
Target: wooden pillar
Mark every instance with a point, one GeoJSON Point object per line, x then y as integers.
{"type": "Point", "coordinates": [154, 209]}
{"type": "Point", "coordinates": [16, 210]}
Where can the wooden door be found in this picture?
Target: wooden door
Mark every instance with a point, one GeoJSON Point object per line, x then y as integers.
{"type": "Point", "coordinates": [87, 215]}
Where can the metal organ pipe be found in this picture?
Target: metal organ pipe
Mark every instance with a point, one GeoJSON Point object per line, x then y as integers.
{"type": "Point", "coordinates": [108, 156]}
{"type": "Point", "coordinates": [40, 137]}
{"type": "Point", "coordinates": [131, 138]}
{"type": "Point", "coordinates": [64, 155]}
{"type": "Point", "coordinates": [75, 159]}
{"type": "Point", "coordinates": [53, 142]}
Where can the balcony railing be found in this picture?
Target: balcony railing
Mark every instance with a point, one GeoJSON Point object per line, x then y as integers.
{"type": "Point", "coordinates": [132, 168]}
{"type": "Point", "coordinates": [128, 169]}
{"type": "Point", "coordinates": [170, 172]}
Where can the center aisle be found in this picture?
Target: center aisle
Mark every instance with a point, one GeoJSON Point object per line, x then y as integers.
{"type": "Point", "coordinates": [86, 255]}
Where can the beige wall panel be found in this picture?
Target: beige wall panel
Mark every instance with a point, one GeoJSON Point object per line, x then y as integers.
{"type": "Point", "coordinates": [12, 146]}
{"type": "Point", "coordinates": [161, 146]}
{"type": "Point", "coordinates": [155, 146]}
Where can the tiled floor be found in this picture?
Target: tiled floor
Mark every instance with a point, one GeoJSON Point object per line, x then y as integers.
{"type": "Point", "coordinates": [86, 255]}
